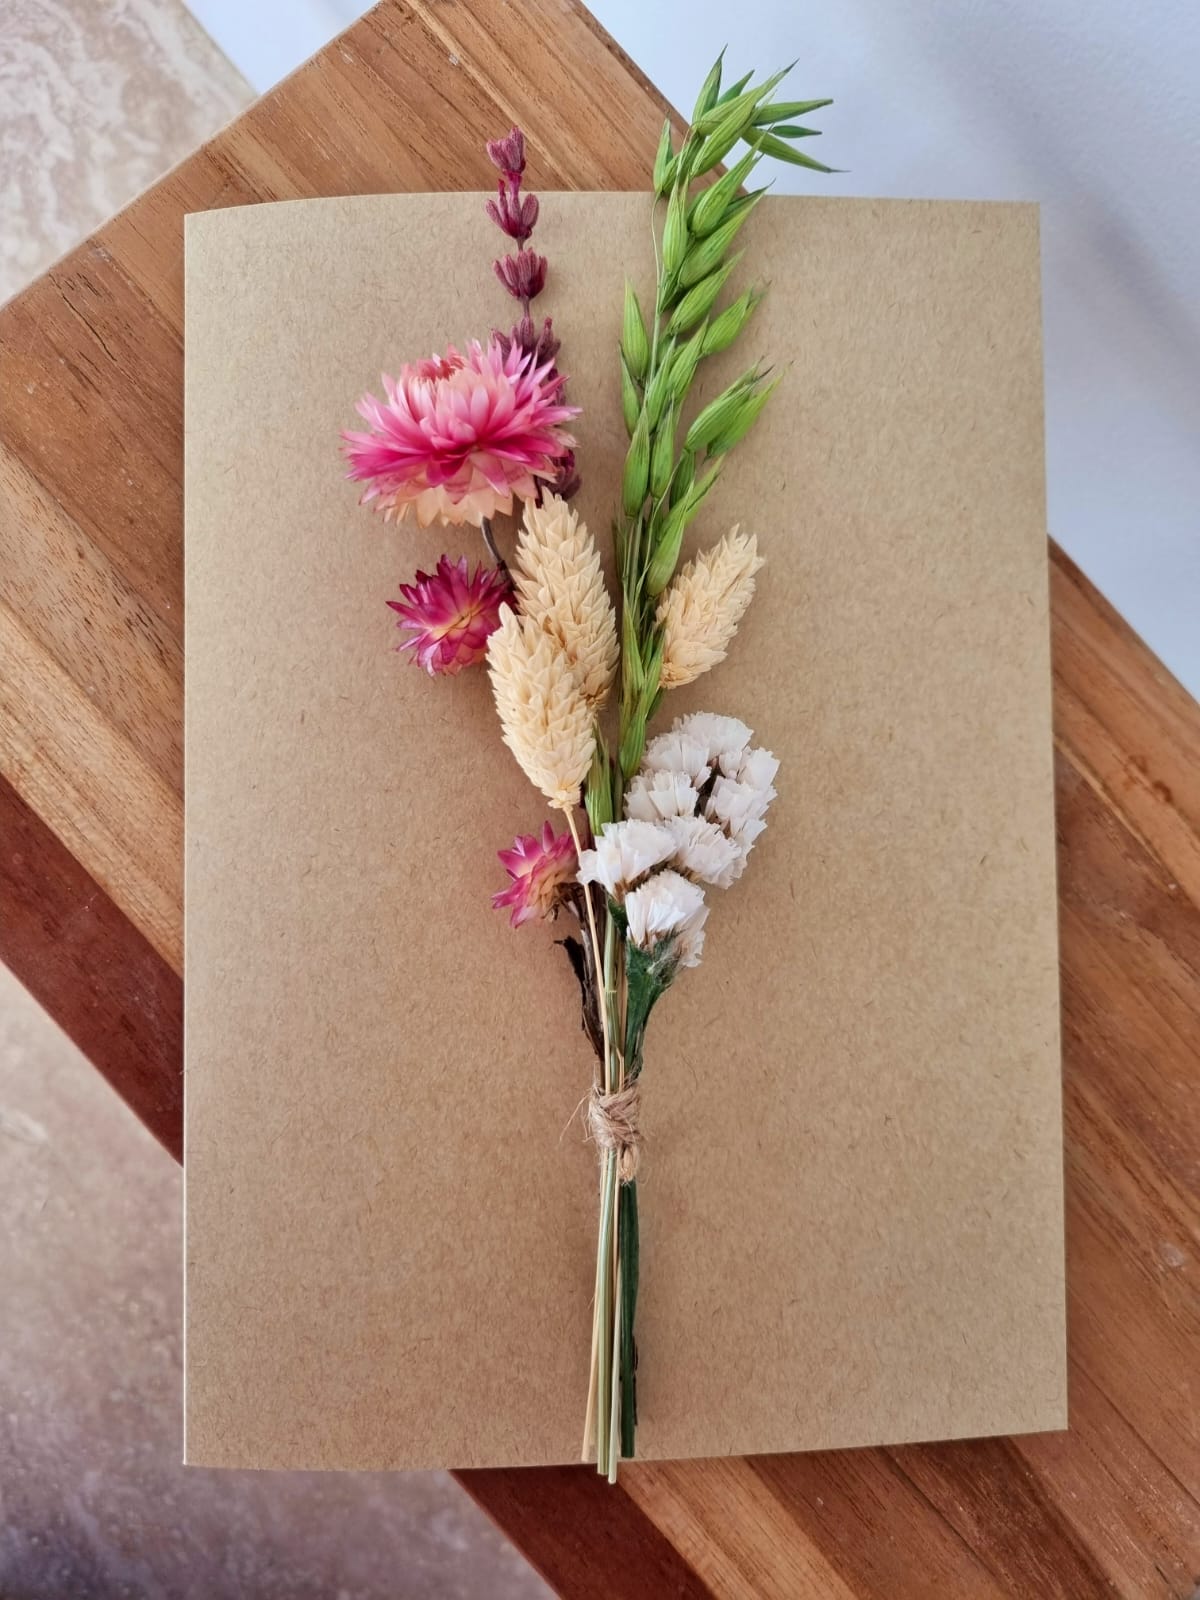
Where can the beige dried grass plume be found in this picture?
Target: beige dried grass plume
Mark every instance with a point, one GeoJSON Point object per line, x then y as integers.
{"type": "Point", "coordinates": [699, 612]}
{"type": "Point", "coordinates": [561, 588]}
{"type": "Point", "coordinates": [546, 720]}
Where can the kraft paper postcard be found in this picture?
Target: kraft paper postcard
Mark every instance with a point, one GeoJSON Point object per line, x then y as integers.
{"type": "Point", "coordinates": [836, 1188]}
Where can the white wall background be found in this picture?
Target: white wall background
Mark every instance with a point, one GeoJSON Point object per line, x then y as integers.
{"type": "Point", "coordinates": [1090, 106]}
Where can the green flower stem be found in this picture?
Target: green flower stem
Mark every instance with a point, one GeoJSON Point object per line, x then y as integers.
{"type": "Point", "coordinates": [604, 1310]}
{"type": "Point", "coordinates": [627, 1218]}
{"type": "Point", "coordinates": [615, 1411]}
{"type": "Point", "coordinates": [664, 483]}
{"type": "Point", "coordinates": [605, 1392]}
{"type": "Point", "coordinates": [615, 1398]}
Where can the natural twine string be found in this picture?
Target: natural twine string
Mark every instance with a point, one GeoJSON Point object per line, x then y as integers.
{"type": "Point", "coordinates": [612, 1121]}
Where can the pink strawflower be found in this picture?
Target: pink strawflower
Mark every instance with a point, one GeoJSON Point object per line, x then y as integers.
{"type": "Point", "coordinates": [459, 436]}
{"type": "Point", "coordinates": [540, 869]}
{"type": "Point", "coordinates": [450, 614]}
{"type": "Point", "coordinates": [437, 366]}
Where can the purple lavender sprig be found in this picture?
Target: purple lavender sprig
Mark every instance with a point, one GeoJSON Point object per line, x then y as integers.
{"type": "Point", "coordinates": [523, 274]}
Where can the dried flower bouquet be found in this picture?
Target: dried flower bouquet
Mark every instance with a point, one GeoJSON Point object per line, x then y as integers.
{"type": "Point", "coordinates": [651, 824]}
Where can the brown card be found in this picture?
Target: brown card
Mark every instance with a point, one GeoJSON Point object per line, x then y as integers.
{"type": "Point", "coordinates": [851, 1194]}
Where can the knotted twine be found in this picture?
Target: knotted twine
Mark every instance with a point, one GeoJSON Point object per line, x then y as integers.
{"type": "Point", "coordinates": [612, 1121]}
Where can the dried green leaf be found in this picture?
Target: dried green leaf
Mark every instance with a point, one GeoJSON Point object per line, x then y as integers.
{"type": "Point", "coordinates": [706, 254]}
{"type": "Point", "coordinates": [597, 794]}
{"type": "Point", "coordinates": [709, 208]}
{"type": "Point", "coordinates": [631, 403]}
{"type": "Point", "coordinates": [699, 490]}
{"type": "Point", "coordinates": [724, 329]}
{"type": "Point", "coordinates": [715, 148]}
{"type": "Point", "coordinates": [631, 654]}
{"type": "Point", "coordinates": [709, 90]}
{"type": "Point", "coordinates": [738, 112]}
{"type": "Point", "coordinates": [662, 454]}
{"type": "Point", "coordinates": [773, 111]}
{"type": "Point", "coordinates": [685, 476]}
{"type": "Point", "coordinates": [665, 556]}
{"type": "Point", "coordinates": [770, 146]}
{"type": "Point", "coordinates": [633, 743]}
{"type": "Point", "coordinates": [720, 415]}
{"type": "Point", "coordinates": [635, 344]}
{"type": "Point", "coordinates": [683, 367]}
{"type": "Point", "coordinates": [637, 469]}
{"type": "Point", "coordinates": [745, 419]}
{"type": "Point", "coordinates": [664, 161]}
{"type": "Point", "coordinates": [700, 299]}
{"type": "Point", "coordinates": [666, 551]}
{"type": "Point", "coordinates": [734, 90]}
{"type": "Point", "coordinates": [675, 233]}
{"type": "Point", "coordinates": [658, 392]}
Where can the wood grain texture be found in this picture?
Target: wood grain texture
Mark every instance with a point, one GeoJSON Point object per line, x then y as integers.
{"type": "Point", "coordinates": [584, 1540]}
{"type": "Point", "coordinates": [90, 676]}
{"type": "Point", "coordinates": [99, 978]}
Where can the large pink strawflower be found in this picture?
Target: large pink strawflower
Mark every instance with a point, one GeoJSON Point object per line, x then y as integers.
{"type": "Point", "coordinates": [449, 614]}
{"type": "Point", "coordinates": [540, 867]}
{"type": "Point", "coordinates": [459, 436]}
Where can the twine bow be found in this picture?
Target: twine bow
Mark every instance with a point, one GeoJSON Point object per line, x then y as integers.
{"type": "Point", "coordinates": [612, 1121]}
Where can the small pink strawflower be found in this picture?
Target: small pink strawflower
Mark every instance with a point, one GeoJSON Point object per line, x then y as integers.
{"type": "Point", "coordinates": [540, 869]}
{"type": "Point", "coordinates": [450, 614]}
{"type": "Point", "coordinates": [459, 436]}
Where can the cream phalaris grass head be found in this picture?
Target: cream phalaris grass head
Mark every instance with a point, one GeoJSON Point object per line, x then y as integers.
{"type": "Point", "coordinates": [700, 611]}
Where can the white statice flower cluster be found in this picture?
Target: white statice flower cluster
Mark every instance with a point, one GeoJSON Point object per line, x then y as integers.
{"type": "Point", "coordinates": [668, 906]}
{"type": "Point", "coordinates": [692, 814]}
{"type": "Point", "coordinates": [624, 853]}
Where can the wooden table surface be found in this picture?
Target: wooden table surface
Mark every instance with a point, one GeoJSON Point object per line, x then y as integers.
{"type": "Point", "coordinates": [91, 667]}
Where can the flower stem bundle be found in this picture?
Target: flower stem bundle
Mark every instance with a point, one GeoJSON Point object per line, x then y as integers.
{"type": "Point", "coordinates": [654, 822]}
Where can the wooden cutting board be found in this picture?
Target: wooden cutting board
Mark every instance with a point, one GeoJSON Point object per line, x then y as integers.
{"type": "Point", "coordinates": [91, 664]}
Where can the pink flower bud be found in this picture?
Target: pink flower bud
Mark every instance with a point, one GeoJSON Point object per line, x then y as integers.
{"type": "Point", "coordinates": [547, 346]}
{"type": "Point", "coordinates": [531, 340]}
{"type": "Point", "coordinates": [508, 154]}
{"type": "Point", "coordinates": [565, 481]}
{"type": "Point", "coordinates": [497, 215]}
{"type": "Point", "coordinates": [504, 341]}
{"type": "Point", "coordinates": [523, 275]}
{"type": "Point", "coordinates": [514, 215]}
{"type": "Point", "coordinates": [525, 336]}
